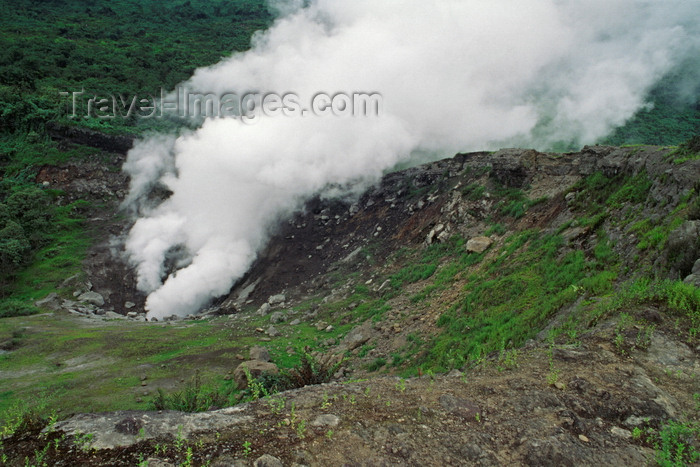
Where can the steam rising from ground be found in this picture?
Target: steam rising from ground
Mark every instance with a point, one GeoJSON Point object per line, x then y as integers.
{"type": "Point", "coordinates": [455, 75]}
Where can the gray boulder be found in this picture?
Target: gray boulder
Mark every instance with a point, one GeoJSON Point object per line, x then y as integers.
{"type": "Point", "coordinates": [693, 279]}
{"type": "Point", "coordinates": [478, 244]}
{"type": "Point", "coordinates": [278, 317]}
{"type": "Point", "coordinates": [326, 419]}
{"type": "Point", "coordinates": [92, 298]}
{"type": "Point", "coordinates": [116, 429]}
{"type": "Point", "coordinates": [355, 338]}
{"type": "Point", "coordinates": [267, 460]}
{"type": "Point", "coordinates": [684, 246]}
{"type": "Point", "coordinates": [259, 353]}
{"type": "Point", "coordinates": [52, 301]}
{"type": "Point", "coordinates": [264, 309]}
{"type": "Point", "coordinates": [275, 299]}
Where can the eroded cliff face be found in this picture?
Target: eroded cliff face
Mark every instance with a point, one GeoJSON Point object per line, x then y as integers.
{"type": "Point", "coordinates": [464, 196]}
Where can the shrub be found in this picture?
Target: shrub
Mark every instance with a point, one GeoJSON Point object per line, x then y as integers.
{"type": "Point", "coordinates": [473, 191]}
{"type": "Point", "coordinates": [675, 444]}
{"type": "Point", "coordinates": [376, 364]}
{"type": "Point", "coordinates": [23, 417]}
{"type": "Point", "coordinates": [309, 371]}
{"type": "Point", "coordinates": [690, 150]}
{"type": "Point", "coordinates": [14, 247]}
{"type": "Point", "coordinates": [9, 308]}
{"type": "Point", "coordinates": [193, 398]}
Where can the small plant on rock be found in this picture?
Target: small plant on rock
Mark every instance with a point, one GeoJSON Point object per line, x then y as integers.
{"type": "Point", "coordinates": [401, 385]}
{"type": "Point", "coordinates": [247, 448]}
{"type": "Point", "coordinates": [676, 444]}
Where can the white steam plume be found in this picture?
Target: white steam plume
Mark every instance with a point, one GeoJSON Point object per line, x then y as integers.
{"type": "Point", "coordinates": [454, 75]}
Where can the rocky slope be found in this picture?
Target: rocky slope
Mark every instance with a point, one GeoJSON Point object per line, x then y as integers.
{"type": "Point", "coordinates": [428, 204]}
{"type": "Point", "coordinates": [383, 282]}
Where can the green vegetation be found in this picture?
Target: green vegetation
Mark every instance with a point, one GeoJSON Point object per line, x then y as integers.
{"type": "Point", "coordinates": [192, 398]}
{"type": "Point", "coordinates": [22, 416]}
{"type": "Point", "coordinates": [106, 47]}
{"type": "Point", "coordinates": [426, 264]}
{"type": "Point", "coordinates": [376, 364]}
{"type": "Point", "coordinates": [514, 203]}
{"type": "Point", "coordinates": [96, 367]}
{"type": "Point", "coordinates": [485, 304]}
{"type": "Point", "coordinates": [122, 364]}
{"type": "Point", "coordinates": [598, 194]}
{"type": "Point", "coordinates": [196, 397]}
{"type": "Point", "coordinates": [676, 297]}
{"type": "Point", "coordinates": [672, 118]}
{"type": "Point", "coordinates": [25, 216]}
{"type": "Point", "coordinates": [473, 191]}
{"type": "Point", "coordinates": [675, 444]}
{"type": "Point", "coordinates": [690, 150]}
{"type": "Point", "coordinates": [308, 371]}
{"type": "Point", "coordinates": [508, 300]}
{"type": "Point", "coordinates": [101, 47]}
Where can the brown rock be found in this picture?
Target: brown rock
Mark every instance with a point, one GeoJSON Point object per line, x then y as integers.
{"type": "Point", "coordinates": [256, 368]}
{"type": "Point", "coordinates": [460, 407]}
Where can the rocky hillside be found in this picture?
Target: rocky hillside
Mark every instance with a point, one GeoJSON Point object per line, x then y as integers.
{"type": "Point", "coordinates": [507, 308]}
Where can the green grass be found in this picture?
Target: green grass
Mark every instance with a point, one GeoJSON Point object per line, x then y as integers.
{"type": "Point", "coordinates": [377, 364]}
{"type": "Point", "coordinates": [676, 444]}
{"type": "Point", "coordinates": [97, 366]}
{"type": "Point", "coordinates": [676, 297]}
{"type": "Point", "coordinates": [654, 236]}
{"type": "Point", "coordinates": [62, 257]}
{"type": "Point", "coordinates": [448, 273]}
{"type": "Point", "coordinates": [635, 190]}
{"type": "Point", "coordinates": [473, 191]}
{"type": "Point", "coordinates": [423, 266]}
{"type": "Point", "coordinates": [498, 229]}
{"type": "Point", "coordinates": [687, 151]}
{"type": "Point", "coordinates": [597, 195]}
{"type": "Point", "coordinates": [509, 299]}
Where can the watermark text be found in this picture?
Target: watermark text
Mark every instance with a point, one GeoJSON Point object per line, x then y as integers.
{"type": "Point", "coordinates": [185, 103]}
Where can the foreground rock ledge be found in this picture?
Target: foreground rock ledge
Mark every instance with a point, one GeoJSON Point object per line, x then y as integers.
{"type": "Point", "coordinates": [491, 416]}
{"type": "Point", "coordinates": [119, 429]}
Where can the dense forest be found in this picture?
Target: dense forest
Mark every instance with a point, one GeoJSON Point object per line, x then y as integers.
{"type": "Point", "coordinates": [99, 46]}
{"type": "Point", "coordinates": [135, 46]}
